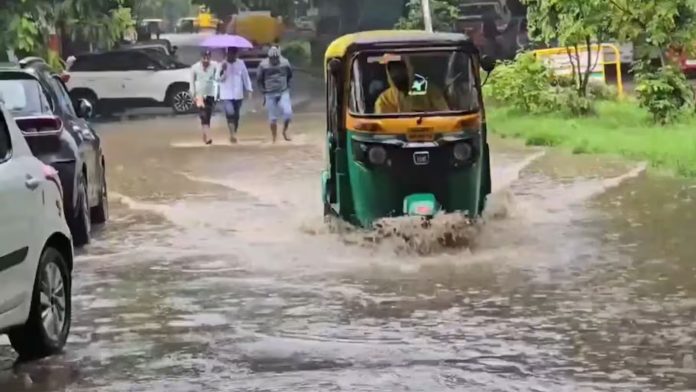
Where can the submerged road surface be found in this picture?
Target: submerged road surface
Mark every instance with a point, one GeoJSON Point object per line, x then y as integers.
{"type": "Point", "coordinates": [218, 273]}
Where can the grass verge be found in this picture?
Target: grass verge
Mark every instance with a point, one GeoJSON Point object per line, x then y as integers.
{"type": "Point", "coordinates": [618, 128]}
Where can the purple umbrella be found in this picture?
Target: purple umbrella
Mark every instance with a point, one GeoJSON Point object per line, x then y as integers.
{"type": "Point", "coordinates": [226, 41]}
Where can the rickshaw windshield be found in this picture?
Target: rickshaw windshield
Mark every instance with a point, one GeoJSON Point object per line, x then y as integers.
{"type": "Point", "coordinates": [424, 83]}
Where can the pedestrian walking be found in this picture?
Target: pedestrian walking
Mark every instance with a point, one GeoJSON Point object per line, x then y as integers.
{"type": "Point", "coordinates": [235, 86]}
{"type": "Point", "coordinates": [203, 90]}
{"type": "Point", "coordinates": [274, 76]}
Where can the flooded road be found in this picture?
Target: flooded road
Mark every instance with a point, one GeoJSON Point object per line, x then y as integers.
{"type": "Point", "coordinates": [218, 273]}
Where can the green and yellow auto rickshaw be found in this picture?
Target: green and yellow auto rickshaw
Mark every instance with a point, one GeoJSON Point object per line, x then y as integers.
{"type": "Point", "coordinates": [406, 129]}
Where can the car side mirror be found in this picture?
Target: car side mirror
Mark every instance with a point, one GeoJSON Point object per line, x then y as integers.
{"type": "Point", "coordinates": [85, 109]}
{"type": "Point", "coordinates": [487, 63]}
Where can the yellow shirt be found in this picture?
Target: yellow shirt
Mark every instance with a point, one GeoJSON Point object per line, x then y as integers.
{"type": "Point", "coordinates": [394, 101]}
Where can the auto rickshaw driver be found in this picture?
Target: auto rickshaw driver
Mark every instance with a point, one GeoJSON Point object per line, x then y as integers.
{"type": "Point", "coordinates": [403, 94]}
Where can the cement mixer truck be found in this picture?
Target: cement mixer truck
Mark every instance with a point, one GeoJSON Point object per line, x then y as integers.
{"type": "Point", "coordinates": [261, 29]}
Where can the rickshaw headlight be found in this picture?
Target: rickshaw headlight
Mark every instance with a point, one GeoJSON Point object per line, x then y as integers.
{"type": "Point", "coordinates": [462, 151]}
{"type": "Point", "coordinates": [377, 155]}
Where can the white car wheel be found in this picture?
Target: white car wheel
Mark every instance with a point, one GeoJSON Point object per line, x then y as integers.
{"type": "Point", "coordinates": [182, 102]}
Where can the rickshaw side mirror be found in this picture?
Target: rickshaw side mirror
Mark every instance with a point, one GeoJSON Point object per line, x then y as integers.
{"type": "Point", "coordinates": [487, 63]}
{"type": "Point", "coordinates": [335, 67]}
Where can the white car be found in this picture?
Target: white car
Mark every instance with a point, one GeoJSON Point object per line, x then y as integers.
{"type": "Point", "coordinates": [36, 252]}
{"type": "Point", "coordinates": [126, 79]}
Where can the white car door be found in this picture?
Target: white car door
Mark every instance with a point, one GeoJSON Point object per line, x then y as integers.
{"type": "Point", "coordinates": [142, 77]}
{"type": "Point", "coordinates": [100, 73]}
{"type": "Point", "coordinates": [20, 209]}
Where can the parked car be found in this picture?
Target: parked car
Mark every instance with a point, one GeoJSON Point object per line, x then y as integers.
{"type": "Point", "coordinates": [59, 135]}
{"type": "Point", "coordinates": [162, 45]}
{"type": "Point", "coordinates": [36, 254]}
{"type": "Point", "coordinates": [124, 79]}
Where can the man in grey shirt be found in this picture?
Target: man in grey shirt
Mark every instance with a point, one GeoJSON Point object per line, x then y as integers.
{"type": "Point", "coordinates": [274, 75]}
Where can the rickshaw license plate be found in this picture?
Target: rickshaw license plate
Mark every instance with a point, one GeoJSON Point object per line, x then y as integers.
{"type": "Point", "coordinates": [421, 158]}
{"type": "Point", "coordinates": [420, 135]}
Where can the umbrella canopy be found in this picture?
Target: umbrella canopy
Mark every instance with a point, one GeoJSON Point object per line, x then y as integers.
{"type": "Point", "coordinates": [226, 41]}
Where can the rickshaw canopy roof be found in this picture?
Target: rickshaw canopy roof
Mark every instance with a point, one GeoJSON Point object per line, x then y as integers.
{"type": "Point", "coordinates": [341, 46]}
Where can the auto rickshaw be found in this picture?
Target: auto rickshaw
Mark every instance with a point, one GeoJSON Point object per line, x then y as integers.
{"type": "Point", "coordinates": [406, 129]}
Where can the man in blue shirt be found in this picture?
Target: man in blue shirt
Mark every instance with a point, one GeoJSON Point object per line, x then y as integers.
{"type": "Point", "coordinates": [235, 86]}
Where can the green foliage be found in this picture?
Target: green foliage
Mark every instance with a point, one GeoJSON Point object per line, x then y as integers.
{"type": "Point", "coordinates": [543, 139]}
{"type": "Point", "coordinates": [569, 22]}
{"type": "Point", "coordinates": [19, 18]}
{"type": "Point", "coordinates": [297, 52]}
{"type": "Point", "coordinates": [528, 86]}
{"type": "Point", "coordinates": [654, 25]}
{"type": "Point", "coordinates": [54, 61]}
{"type": "Point", "coordinates": [101, 22]}
{"type": "Point", "coordinates": [29, 22]}
{"type": "Point", "coordinates": [665, 93]}
{"type": "Point", "coordinates": [619, 128]}
{"type": "Point", "coordinates": [524, 84]}
{"type": "Point", "coordinates": [444, 14]}
{"type": "Point", "coordinates": [602, 91]}
{"type": "Point", "coordinates": [568, 100]}
{"type": "Point", "coordinates": [573, 24]}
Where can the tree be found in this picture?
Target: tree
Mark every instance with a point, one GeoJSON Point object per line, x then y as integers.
{"type": "Point", "coordinates": [30, 22]}
{"type": "Point", "coordinates": [101, 23]}
{"type": "Point", "coordinates": [224, 8]}
{"type": "Point", "coordinates": [576, 25]}
{"type": "Point", "coordinates": [19, 18]}
{"type": "Point", "coordinates": [444, 14]}
{"type": "Point", "coordinates": [655, 25]}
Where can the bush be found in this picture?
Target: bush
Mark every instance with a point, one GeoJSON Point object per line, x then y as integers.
{"type": "Point", "coordinates": [568, 100]}
{"type": "Point", "coordinates": [297, 52]}
{"type": "Point", "coordinates": [602, 92]}
{"type": "Point", "coordinates": [524, 84]}
{"type": "Point", "coordinates": [565, 81]}
{"type": "Point", "coordinates": [665, 93]}
{"type": "Point", "coordinates": [527, 85]}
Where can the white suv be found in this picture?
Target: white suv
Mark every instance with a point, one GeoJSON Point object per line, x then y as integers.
{"type": "Point", "coordinates": [36, 253]}
{"type": "Point", "coordinates": [130, 78]}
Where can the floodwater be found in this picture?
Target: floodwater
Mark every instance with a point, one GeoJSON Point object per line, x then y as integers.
{"type": "Point", "coordinates": [218, 273]}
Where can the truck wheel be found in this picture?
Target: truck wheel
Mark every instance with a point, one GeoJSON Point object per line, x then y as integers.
{"type": "Point", "coordinates": [48, 325]}
{"type": "Point", "coordinates": [80, 222]}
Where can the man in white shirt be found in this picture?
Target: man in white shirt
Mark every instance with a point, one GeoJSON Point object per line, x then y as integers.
{"type": "Point", "coordinates": [235, 86]}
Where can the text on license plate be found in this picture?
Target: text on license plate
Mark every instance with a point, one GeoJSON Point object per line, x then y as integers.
{"type": "Point", "coordinates": [420, 135]}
